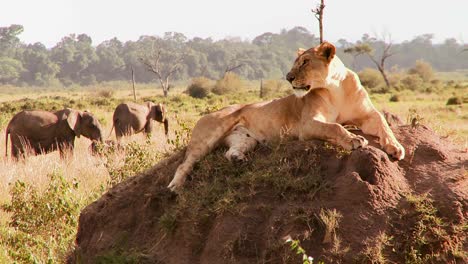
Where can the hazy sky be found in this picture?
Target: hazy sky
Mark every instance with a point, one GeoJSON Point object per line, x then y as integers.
{"type": "Point", "coordinates": [48, 21]}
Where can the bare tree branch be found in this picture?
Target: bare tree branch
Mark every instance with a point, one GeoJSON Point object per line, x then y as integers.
{"type": "Point", "coordinates": [163, 70]}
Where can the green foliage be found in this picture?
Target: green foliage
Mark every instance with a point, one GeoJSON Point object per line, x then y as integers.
{"type": "Point", "coordinates": [10, 70]}
{"type": "Point", "coordinates": [230, 83]}
{"type": "Point", "coordinates": [182, 135]}
{"type": "Point", "coordinates": [425, 237]}
{"type": "Point", "coordinates": [75, 60]}
{"type": "Point", "coordinates": [200, 87]}
{"type": "Point", "coordinates": [295, 246]}
{"type": "Point", "coordinates": [43, 224]}
{"type": "Point", "coordinates": [371, 78]}
{"type": "Point", "coordinates": [136, 158]}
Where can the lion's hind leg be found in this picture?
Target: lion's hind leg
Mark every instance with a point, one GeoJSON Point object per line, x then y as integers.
{"type": "Point", "coordinates": [207, 134]}
{"type": "Point", "coordinates": [239, 141]}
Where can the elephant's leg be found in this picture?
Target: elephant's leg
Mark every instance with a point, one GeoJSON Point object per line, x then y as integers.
{"type": "Point", "coordinates": [18, 146]}
{"type": "Point", "coordinates": [239, 141]}
{"type": "Point", "coordinates": [374, 124]}
{"type": "Point", "coordinates": [148, 128]}
{"type": "Point", "coordinates": [122, 130]}
{"type": "Point", "coordinates": [66, 149]}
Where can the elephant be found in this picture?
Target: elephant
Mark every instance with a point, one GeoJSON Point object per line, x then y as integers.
{"type": "Point", "coordinates": [42, 131]}
{"type": "Point", "coordinates": [131, 118]}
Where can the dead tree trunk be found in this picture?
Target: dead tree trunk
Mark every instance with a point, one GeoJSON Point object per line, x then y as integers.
{"type": "Point", "coordinates": [318, 11]}
{"type": "Point", "coordinates": [133, 85]}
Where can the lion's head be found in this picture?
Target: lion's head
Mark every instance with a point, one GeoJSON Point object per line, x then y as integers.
{"type": "Point", "coordinates": [311, 68]}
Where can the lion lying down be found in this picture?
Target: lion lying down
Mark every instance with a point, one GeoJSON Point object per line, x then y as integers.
{"type": "Point", "coordinates": [327, 95]}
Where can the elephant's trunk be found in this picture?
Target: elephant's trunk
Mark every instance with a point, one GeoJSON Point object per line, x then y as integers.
{"type": "Point", "coordinates": [166, 126]}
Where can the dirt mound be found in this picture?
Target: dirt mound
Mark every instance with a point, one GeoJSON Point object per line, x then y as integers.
{"type": "Point", "coordinates": [343, 207]}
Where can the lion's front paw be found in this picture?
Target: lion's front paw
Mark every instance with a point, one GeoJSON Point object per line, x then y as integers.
{"type": "Point", "coordinates": [358, 142]}
{"type": "Point", "coordinates": [175, 184]}
{"type": "Point", "coordinates": [395, 150]}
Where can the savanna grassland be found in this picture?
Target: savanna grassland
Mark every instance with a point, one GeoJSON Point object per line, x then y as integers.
{"type": "Point", "coordinates": [42, 195]}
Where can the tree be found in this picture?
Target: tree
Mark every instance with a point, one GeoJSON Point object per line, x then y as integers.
{"type": "Point", "coordinates": [164, 62]}
{"type": "Point", "coordinates": [75, 54]}
{"type": "Point", "coordinates": [9, 40]}
{"type": "Point", "coordinates": [10, 70]}
{"type": "Point", "coordinates": [364, 48]}
{"type": "Point", "coordinates": [39, 68]}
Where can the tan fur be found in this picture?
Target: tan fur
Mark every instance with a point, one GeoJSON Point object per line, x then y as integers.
{"type": "Point", "coordinates": [333, 96]}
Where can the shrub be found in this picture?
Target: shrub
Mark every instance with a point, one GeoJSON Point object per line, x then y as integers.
{"type": "Point", "coordinates": [105, 93]}
{"type": "Point", "coordinates": [371, 78]}
{"type": "Point", "coordinates": [395, 98]}
{"type": "Point", "coordinates": [412, 82]}
{"type": "Point", "coordinates": [228, 84]}
{"type": "Point", "coordinates": [136, 158]}
{"type": "Point", "coordinates": [272, 87]}
{"type": "Point", "coordinates": [423, 70]}
{"type": "Point", "coordinates": [43, 223]}
{"type": "Point", "coordinates": [456, 100]}
{"type": "Point", "coordinates": [199, 87]}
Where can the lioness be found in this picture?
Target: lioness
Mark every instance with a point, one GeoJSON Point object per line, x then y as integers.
{"type": "Point", "coordinates": [327, 94]}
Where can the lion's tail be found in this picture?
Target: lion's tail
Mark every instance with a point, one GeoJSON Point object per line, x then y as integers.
{"type": "Point", "coordinates": [207, 134]}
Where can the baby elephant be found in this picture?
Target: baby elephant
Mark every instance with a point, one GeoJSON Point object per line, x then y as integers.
{"type": "Point", "coordinates": [42, 131]}
{"type": "Point", "coordinates": [131, 118]}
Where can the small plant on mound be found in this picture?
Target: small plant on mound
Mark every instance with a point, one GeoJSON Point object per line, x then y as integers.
{"type": "Point", "coordinates": [182, 135]}
{"type": "Point", "coordinates": [422, 236]}
{"type": "Point", "coordinates": [230, 83]}
{"type": "Point", "coordinates": [136, 158]}
{"type": "Point", "coordinates": [43, 224]}
{"type": "Point", "coordinates": [199, 87]}
{"type": "Point", "coordinates": [455, 100]}
{"type": "Point", "coordinates": [296, 247]}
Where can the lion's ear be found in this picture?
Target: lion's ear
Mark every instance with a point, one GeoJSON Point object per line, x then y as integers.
{"type": "Point", "coordinates": [300, 51]}
{"type": "Point", "coordinates": [327, 50]}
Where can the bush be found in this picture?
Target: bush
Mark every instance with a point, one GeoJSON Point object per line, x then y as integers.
{"type": "Point", "coordinates": [412, 82]}
{"type": "Point", "coordinates": [199, 87]}
{"type": "Point", "coordinates": [105, 93]}
{"type": "Point", "coordinates": [371, 78]}
{"type": "Point", "coordinates": [228, 84]}
{"type": "Point", "coordinates": [272, 87]}
{"type": "Point", "coordinates": [456, 100]}
{"type": "Point", "coordinates": [423, 70]}
{"type": "Point", "coordinates": [136, 158]}
{"type": "Point", "coordinates": [43, 223]}
{"type": "Point", "coordinates": [395, 98]}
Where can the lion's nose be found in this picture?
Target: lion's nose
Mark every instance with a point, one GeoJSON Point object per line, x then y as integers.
{"type": "Point", "coordinates": [290, 77]}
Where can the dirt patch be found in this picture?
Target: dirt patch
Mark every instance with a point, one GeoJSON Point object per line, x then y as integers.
{"type": "Point", "coordinates": [343, 207]}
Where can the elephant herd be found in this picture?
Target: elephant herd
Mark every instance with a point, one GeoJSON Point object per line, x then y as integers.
{"type": "Point", "coordinates": [38, 131]}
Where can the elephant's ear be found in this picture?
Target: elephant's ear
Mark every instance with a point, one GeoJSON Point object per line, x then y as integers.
{"type": "Point", "coordinates": [74, 122]}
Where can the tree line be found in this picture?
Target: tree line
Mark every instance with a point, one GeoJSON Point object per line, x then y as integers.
{"type": "Point", "coordinates": [76, 60]}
